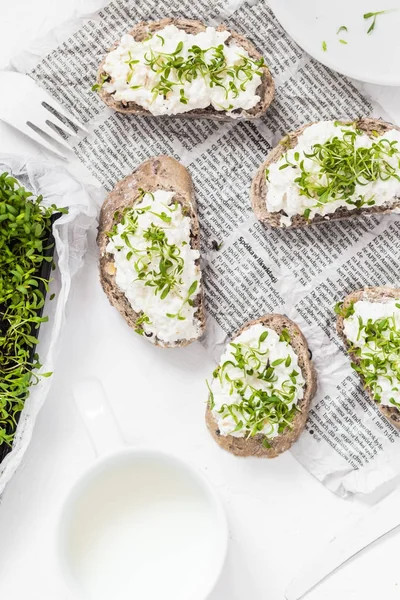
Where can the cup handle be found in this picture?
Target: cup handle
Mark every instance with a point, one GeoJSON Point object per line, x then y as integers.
{"type": "Point", "coordinates": [100, 423]}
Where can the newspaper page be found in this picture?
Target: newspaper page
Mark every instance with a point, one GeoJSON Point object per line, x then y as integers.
{"type": "Point", "coordinates": [302, 273]}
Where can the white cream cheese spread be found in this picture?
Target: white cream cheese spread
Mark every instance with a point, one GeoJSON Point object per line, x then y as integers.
{"type": "Point", "coordinates": [174, 72]}
{"type": "Point", "coordinates": [156, 267]}
{"type": "Point", "coordinates": [334, 166]}
{"type": "Point", "coordinates": [257, 385]}
{"type": "Point", "coordinates": [373, 328]}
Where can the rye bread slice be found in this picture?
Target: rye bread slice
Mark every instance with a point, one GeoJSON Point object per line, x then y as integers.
{"type": "Point", "coordinates": [371, 294]}
{"type": "Point", "coordinates": [259, 185]}
{"type": "Point", "coordinates": [253, 446]}
{"type": "Point", "coordinates": [142, 30]}
{"type": "Point", "coordinates": [158, 173]}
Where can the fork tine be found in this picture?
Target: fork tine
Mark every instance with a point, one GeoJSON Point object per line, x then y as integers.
{"type": "Point", "coordinates": [54, 121]}
{"type": "Point", "coordinates": [43, 116]}
{"type": "Point", "coordinates": [52, 124]}
{"type": "Point", "coordinates": [50, 113]}
{"type": "Point", "coordinates": [25, 110]}
{"type": "Point", "coordinates": [48, 130]}
{"type": "Point", "coordinates": [40, 140]}
{"type": "Point", "coordinates": [57, 107]}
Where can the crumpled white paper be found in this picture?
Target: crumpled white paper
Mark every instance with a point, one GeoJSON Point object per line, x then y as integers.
{"type": "Point", "coordinates": [58, 187]}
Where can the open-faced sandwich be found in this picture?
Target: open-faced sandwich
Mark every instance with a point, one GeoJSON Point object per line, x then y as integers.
{"type": "Point", "coordinates": [149, 253]}
{"type": "Point", "coordinates": [369, 324]}
{"type": "Point", "coordinates": [329, 170]}
{"type": "Point", "coordinates": [261, 391]}
{"type": "Point", "coordinates": [181, 67]}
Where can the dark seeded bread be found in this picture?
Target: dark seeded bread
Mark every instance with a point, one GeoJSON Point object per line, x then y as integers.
{"type": "Point", "coordinates": [254, 446]}
{"type": "Point", "coordinates": [142, 30]}
{"type": "Point", "coordinates": [372, 294]}
{"type": "Point", "coordinates": [158, 173]}
{"type": "Point", "coordinates": [259, 185]}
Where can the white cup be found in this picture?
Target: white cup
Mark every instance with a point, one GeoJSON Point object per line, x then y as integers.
{"type": "Point", "coordinates": [140, 524]}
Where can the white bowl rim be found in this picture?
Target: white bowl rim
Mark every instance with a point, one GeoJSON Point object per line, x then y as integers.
{"type": "Point", "coordinates": [99, 464]}
{"type": "Point", "coordinates": [324, 58]}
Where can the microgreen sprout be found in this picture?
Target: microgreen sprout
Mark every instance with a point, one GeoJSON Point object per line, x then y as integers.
{"type": "Point", "coordinates": [373, 15]}
{"type": "Point", "coordinates": [97, 86]}
{"type": "Point", "coordinates": [264, 403]}
{"type": "Point", "coordinates": [210, 397]}
{"type": "Point", "coordinates": [285, 142]}
{"type": "Point", "coordinates": [143, 319]}
{"type": "Point", "coordinates": [342, 28]}
{"type": "Point", "coordinates": [175, 69]}
{"type": "Point", "coordinates": [157, 263]}
{"type": "Point", "coordinates": [25, 226]}
{"type": "Point", "coordinates": [188, 299]}
{"type": "Point", "coordinates": [131, 61]}
{"type": "Point", "coordinates": [377, 352]}
{"type": "Point", "coordinates": [285, 336]}
{"type": "Point", "coordinates": [183, 98]}
{"type": "Point", "coordinates": [343, 165]}
{"type": "Point", "coordinates": [344, 311]}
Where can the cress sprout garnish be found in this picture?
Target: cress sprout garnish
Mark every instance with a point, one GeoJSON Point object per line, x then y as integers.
{"type": "Point", "coordinates": [187, 299]}
{"type": "Point", "coordinates": [25, 225]}
{"type": "Point", "coordinates": [342, 28]}
{"type": "Point", "coordinates": [342, 165]}
{"type": "Point", "coordinates": [176, 68]}
{"type": "Point", "coordinates": [324, 46]}
{"type": "Point", "coordinates": [377, 349]}
{"type": "Point", "coordinates": [263, 402]}
{"type": "Point", "coordinates": [286, 142]}
{"type": "Point", "coordinates": [210, 63]}
{"type": "Point", "coordinates": [166, 277]}
{"type": "Point", "coordinates": [97, 86]}
{"type": "Point", "coordinates": [344, 311]}
{"type": "Point", "coordinates": [373, 15]}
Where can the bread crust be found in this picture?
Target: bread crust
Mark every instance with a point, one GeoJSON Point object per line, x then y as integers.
{"type": "Point", "coordinates": [259, 185]}
{"type": "Point", "coordinates": [142, 30]}
{"type": "Point", "coordinates": [157, 173]}
{"type": "Point", "coordinates": [253, 446]}
{"type": "Point", "coordinates": [371, 294]}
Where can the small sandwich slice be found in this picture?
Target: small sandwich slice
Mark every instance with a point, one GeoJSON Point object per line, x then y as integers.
{"type": "Point", "coordinates": [261, 391]}
{"type": "Point", "coordinates": [369, 324]}
{"type": "Point", "coordinates": [149, 253]}
{"type": "Point", "coordinates": [182, 68]}
{"type": "Point", "coordinates": [329, 170]}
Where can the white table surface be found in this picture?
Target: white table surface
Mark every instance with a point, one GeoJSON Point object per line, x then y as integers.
{"type": "Point", "coordinates": [278, 514]}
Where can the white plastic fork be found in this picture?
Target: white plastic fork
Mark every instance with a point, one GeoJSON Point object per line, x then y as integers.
{"type": "Point", "coordinates": [22, 105]}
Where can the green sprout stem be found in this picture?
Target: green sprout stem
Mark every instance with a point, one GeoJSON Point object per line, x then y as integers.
{"type": "Point", "coordinates": [257, 407]}
{"type": "Point", "coordinates": [377, 352]}
{"type": "Point", "coordinates": [373, 15]}
{"type": "Point", "coordinates": [166, 278]}
{"type": "Point", "coordinates": [175, 69]}
{"type": "Point", "coordinates": [25, 226]}
{"type": "Point", "coordinates": [342, 165]}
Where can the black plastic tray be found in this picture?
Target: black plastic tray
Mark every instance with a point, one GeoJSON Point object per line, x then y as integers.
{"type": "Point", "coordinates": [45, 272]}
